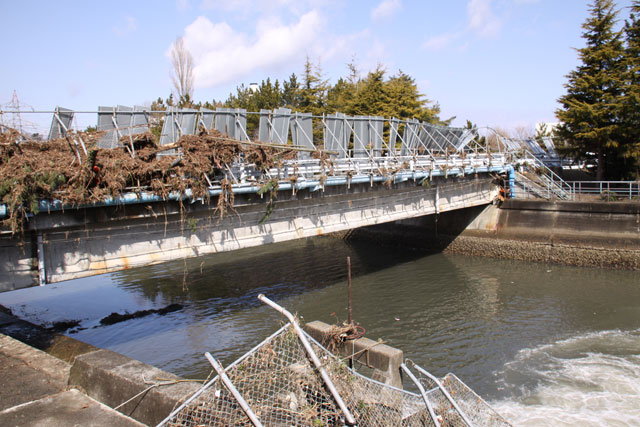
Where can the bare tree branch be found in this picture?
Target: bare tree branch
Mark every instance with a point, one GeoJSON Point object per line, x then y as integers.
{"type": "Point", "coordinates": [182, 62]}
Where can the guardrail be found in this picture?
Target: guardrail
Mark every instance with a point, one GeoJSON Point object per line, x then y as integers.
{"type": "Point", "coordinates": [606, 190]}
{"type": "Point", "coordinates": [553, 184]}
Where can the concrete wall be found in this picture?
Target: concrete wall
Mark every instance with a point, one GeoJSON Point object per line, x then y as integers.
{"type": "Point", "coordinates": [589, 234]}
{"type": "Point", "coordinates": [589, 224]}
{"type": "Point", "coordinates": [90, 241]}
{"type": "Point", "coordinates": [595, 234]}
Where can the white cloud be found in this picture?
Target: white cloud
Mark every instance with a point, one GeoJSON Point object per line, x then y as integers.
{"type": "Point", "coordinates": [182, 5]}
{"type": "Point", "coordinates": [341, 46]}
{"type": "Point", "coordinates": [482, 19]}
{"type": "Point", "coordinates": [126, 26]}
{"type": "Point", "coordinates": [222, 55]}
{"type": "Point", "coordinates": [441, 41]}
{"type": "Point", "coordinates": [385, 9]}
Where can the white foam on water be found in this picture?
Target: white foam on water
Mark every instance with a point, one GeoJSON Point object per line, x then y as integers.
{"type": "Point", "coordinates": [590, 380]}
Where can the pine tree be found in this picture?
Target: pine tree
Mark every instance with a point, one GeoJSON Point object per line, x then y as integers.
{"type": "Point", "coordinates": [590, 110]}
{"type": "Point", "coordinates": [630, 151]}
{"type": "Point", "coordinates": [340, 97]}
{"type": "Point", "coordinates": [313, 96]}
{"type": "Point", "coordinates": [406, 101]}
{"type": "Point", "coordinates": [291, 93]}
{"type": "Point", "coordinates": [268, 96]}
{"type": "Point", "coordinates": [242, 98]}
{"type": "Point", "coordinates": [371, 97]}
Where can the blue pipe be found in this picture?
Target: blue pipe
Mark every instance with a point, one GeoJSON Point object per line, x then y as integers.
{"type": "Point", "coordinates": [313, 185]}
{"type": "Point", "coordinates": [512, 181]}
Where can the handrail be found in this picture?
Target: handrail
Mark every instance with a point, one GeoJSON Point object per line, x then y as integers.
{"type": "Point", "coordinates": [555, 184]}
{"type": "Point", "coordinates": [619, 188]}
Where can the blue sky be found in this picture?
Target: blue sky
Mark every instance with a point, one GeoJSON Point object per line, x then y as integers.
{"type": "Point", "coordinates": [494, 62]}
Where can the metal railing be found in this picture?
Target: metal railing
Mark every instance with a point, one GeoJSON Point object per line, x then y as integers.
{"type": "Point", "coordinates": [605, 190]}
{"type": "Point", "coordinates": [553, 185]}
{"type": "Point", "coordinates": [355, 148]}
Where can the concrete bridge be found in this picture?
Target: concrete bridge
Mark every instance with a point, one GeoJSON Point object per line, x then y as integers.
{"type": "Point", "coordinates": [368, 180]}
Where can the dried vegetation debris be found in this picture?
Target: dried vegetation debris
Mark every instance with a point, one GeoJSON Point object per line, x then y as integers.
{"type": "Point", "coordinates": [59, 170]}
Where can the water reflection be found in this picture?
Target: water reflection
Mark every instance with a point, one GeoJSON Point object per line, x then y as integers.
{"type": "Point", "coordinates": [467, 315]}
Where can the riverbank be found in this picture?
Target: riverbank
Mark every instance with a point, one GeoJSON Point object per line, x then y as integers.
{"type": "Point", "coordinates": [54, 380]}
{"type": "Point", "coordinates": [582, 234]}
{"type": "Point", "coordinates": [496, 324]}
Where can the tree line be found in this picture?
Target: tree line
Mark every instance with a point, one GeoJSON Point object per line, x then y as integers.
{"type": "Point", "coordinates": [600, 113]}
{"type": "Point", "coordinates": [376, 94]}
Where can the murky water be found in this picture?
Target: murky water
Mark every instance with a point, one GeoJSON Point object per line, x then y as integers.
{"type": "Point", "coordinates": [548, 345]}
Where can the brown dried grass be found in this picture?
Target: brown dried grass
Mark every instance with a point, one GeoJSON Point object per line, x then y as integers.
{"type": "Point", "coordinates": [32, 171]}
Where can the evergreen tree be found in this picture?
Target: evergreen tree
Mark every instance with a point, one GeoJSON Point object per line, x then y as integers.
{"type": "Point", "coordinates": [313, 96]}
{"type": "Point", "coordinates": [291, 93]}
{"type": "Point", "coordinates": [406, 102]}
{"type": "Point", "coordinates": [590, 110]}
{"type": "Point", "coordinates": [268, 96]}
{"type": "Point", "coordinates": [480, 140]}
{"type": "Point", "coordinates": [242, 98]}
{"type": "Point", "coordinates": [371, 95]}
{"type": "Point", "coordinates": [340, 97]}
{"type": "Point", "coordinates": [630, 151]}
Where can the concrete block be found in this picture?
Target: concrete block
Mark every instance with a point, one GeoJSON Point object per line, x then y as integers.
{"type": "Point", "coordinates": [60, 346]}
{"type": "Point", "coordinates": [55, 369]}
{"type": "Point", "coordinates": [112, 379]}
{"type": "Point", "coordinates": [69, 408]}
{"type": "Point", "coordinates": [383, 359]}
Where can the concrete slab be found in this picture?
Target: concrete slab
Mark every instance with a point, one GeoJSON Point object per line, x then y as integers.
{"type": "Point", "coordinates": [69, 408]}
{"type": "Point", "coordinates": [28, 374]}
{"type": "Point", "coordinates": [50, 366]}
{"type": "Point", "coordinates": [21, 383]}
{"type": "Point", "coordinates": [112, 379]}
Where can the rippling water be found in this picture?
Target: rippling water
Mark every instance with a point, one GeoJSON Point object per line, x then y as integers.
{"type": "Point", "coordinates": [548, 345]}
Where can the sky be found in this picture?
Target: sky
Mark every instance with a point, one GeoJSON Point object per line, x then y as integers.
{"type": "Point", "coordinates": [495, 62]}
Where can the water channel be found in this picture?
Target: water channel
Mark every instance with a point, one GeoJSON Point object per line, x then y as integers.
{"type": "Point", "coordinates": [545, 344]}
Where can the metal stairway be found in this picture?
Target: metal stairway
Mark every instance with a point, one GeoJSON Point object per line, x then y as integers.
{"type": "Point", "coordinates": [535, 180]}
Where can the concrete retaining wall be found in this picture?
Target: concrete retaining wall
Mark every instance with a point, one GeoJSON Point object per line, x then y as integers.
{"type": "Point", "coordinates": [112, 379]}
{"type": "Point", "coordinates": [587, 224]}
{"type": "Point", "coordinates": [588, 234]}
{"type": "Point", "coordinates": [584, 234]}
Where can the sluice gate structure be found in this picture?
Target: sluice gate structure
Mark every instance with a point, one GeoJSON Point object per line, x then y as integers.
{"type": "Point", "coordinates": [370, 170]}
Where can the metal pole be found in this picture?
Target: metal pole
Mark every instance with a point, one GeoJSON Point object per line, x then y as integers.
{"type": "Point", "coordinates": [445, 392]}
{"type": "Point", "coordinates": [42, 275]}
{"type": "Point", "coordinates": [350, 319]}
{"type": "Point", "coordinates": [229, 385]}
{"type": "Point", "coordinates": [313, 356]}
{"type": "Point", "coordinates": [423, 393]}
